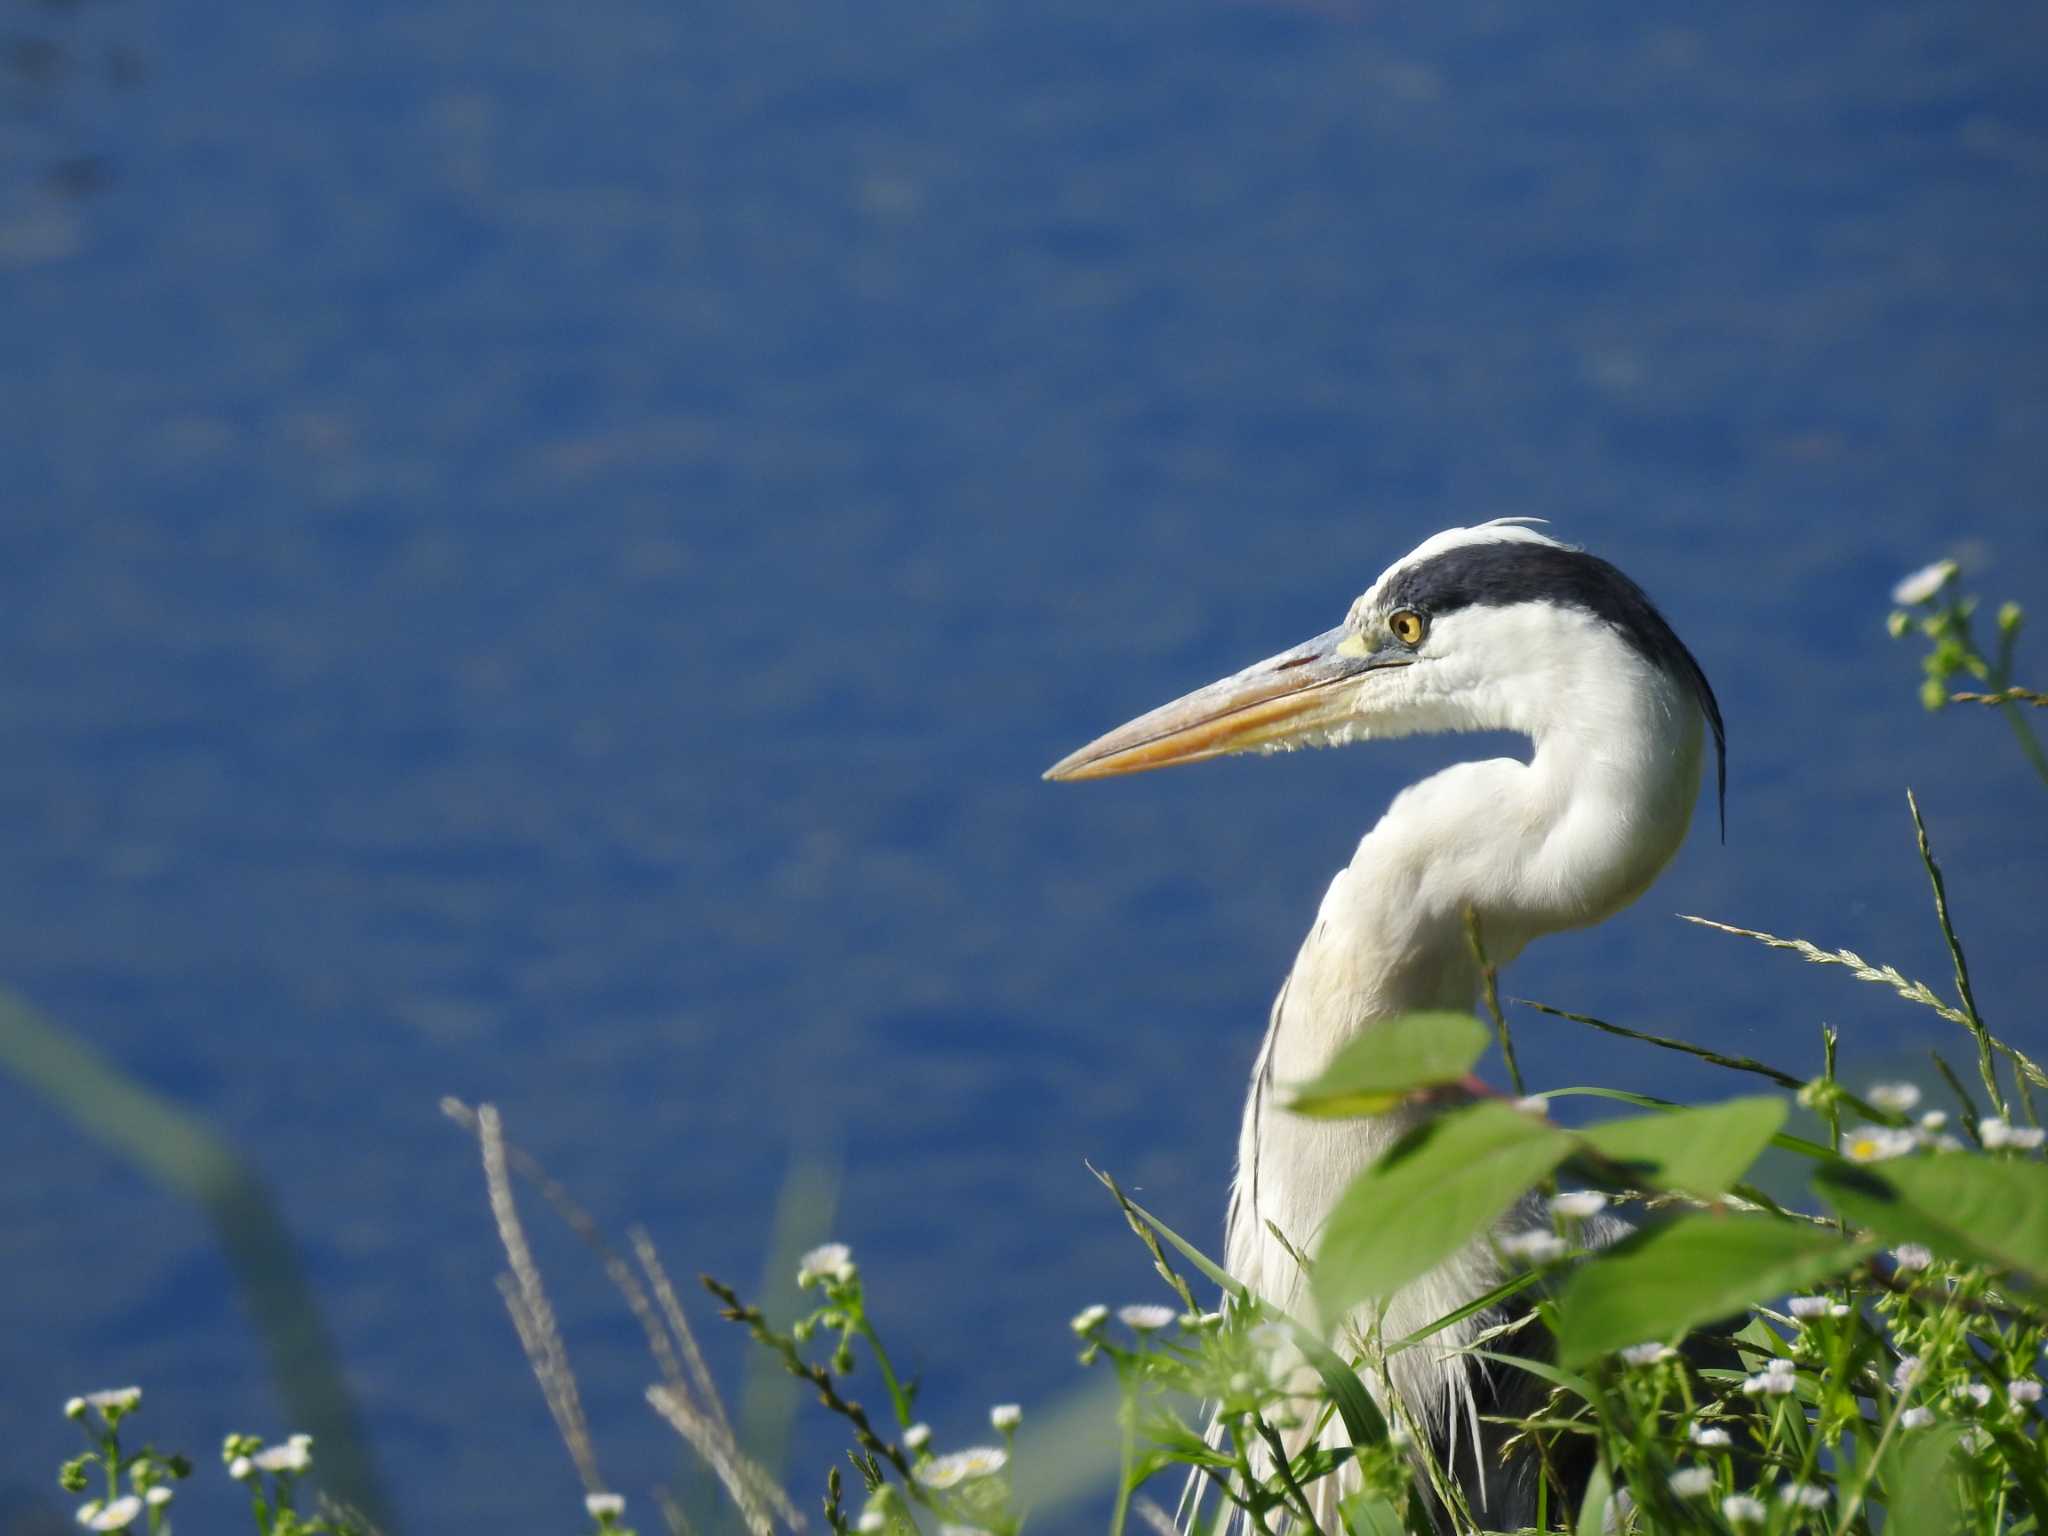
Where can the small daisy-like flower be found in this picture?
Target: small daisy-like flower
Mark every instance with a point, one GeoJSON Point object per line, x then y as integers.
{"type": "Point", "coordinates": [828, 1261]}
{"type": "Point", "coordinates": [1691, 1482]}
{"type": "Point", "coordinates": [1877, 1143]}
{"type": "Point", "coordinates": [116, 1516]}
{"type": "Point", "coordinates": [1946, 1143]}
{"type": "Point", "coordinates": [1896, 1097]}
{"type": "Point", "coordinates": [74, 1408]}
{"type": "Point", "coordinates": [2027, 1138]}
{"type": "Point", "coordinates": [1534, 1104]}
{"type": "Point", "coordinates": [1578, 1203]}
{"type": "Point", "coordinates": [1776, 1379]}
{"type": "Point", "coordinates": [1916, 1418]}
{"type": "Point", "coordinates": [87, 1510]}
{"type": "Point", "coordinates": [1972, 1391]}
{"type": "Point", "coordinates": [1803, 1495]}
{"type": "Point", "coordinates": [290, 1457]}
{"type": "Point", "coordinates": [1910, 1258]}
{"type": "Point", "coordinates": [1646, 1354]}
{"type": "Point", "coordinates": [871, 1521]}
{"type": "Point", "coordinates": [1905, 1373]}
{"type": "Point", "coordinates": [961, 1466]}
{"type": "Point", "coordinates": [1994, 1133]}
{"type": "Point", "coordinates": [1839, 1309]}
{"type": "Point", "coordinates": [1808, 1306]}
{"type": "Point", "coordinates": [1144, 1318]}
{"type": "Point", "coordinates": [241, 1469]}
{"type": "Point", "coordinates": [1088, 1319]}
{"type": "Point", "coordinates": [1536, 1245]}
{"type": "Point", "coordinates": [1707, 1434]}
{"type": "Point", "coordinates": [917, 1437]}
{"type": "Point", "coordinates": [1934, 1120]}
{"type": "Point", "coordinates": [1924, 583]}
{"type": "Point", "coordinates": [2025, 1390]}
{"type": "Point", "coordinates": [115, 1400]}
{"type": "Point", "coordinates": [1006, 1416]}
{"type": "Point", "coordinates": [1741, 1509]}
{"type": "Point", "coordinates": [604, 1506]}
{"type": "Point", "coordinates": [157, 1497]}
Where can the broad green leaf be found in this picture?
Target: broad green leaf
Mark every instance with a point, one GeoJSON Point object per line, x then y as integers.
{"type": "Point", "coordinates": [1661, 1282]}
{"type": "Point", "coordinates": [1593, 1508]}
{"type": "Point", "coordinates": [1783, 1139]}
{"type": "Point", "coordinates": [1922, 1493]}
{"type": "Point", "coordinates": [1391, 1060]}
{"type": "Point", "coordinates": [1432, 1192]}
{"type": "Point", "coordinates": [1959, 1204]}
{"type": "Point", "coordinates": [1367, 1516]}
{"type": "Point", "coordinates": [1693, 1151]}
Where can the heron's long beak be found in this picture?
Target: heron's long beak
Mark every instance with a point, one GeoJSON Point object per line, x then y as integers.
{"type": "Point", "coordinates": [1283, 701]}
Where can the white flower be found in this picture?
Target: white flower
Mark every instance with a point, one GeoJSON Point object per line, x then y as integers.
{"type": "Point", "coordinates": [1536, 1245]}
{"type": "Point", "coordinates": [604, 1506]}
{"type": "Point", "coordinates": [290, 1457]}
{"type": "Point", "coordinates": [1897, 1097]}
{"type": "Point", "coordinates": [1972, 1391]}
{"type": "Point", "coordinates": [157, 1497]}
{"type": "Point", "coordinates": [1838, 1309]}
{"type": "Point", "coordinates": [827, 1261]}
{"type": "Point", "coordinates": [1876, 1143]}
{"type": "Point", "coordinates": [1741, 1509]}
{"type": "Point", "coordinates": [1691, 1482]}
{"type": "Point", "coordinates": [1916, 1418]}
{"type": "Point", "coordinates": [2025, 1390]}
{"type": "Point", "coordinates": [1808, 1306]}
{"type": "Point", "coordinates": [74, 1407]}
{"type": "Point", "coordinates": [241, 1469]}
{"type": "Point", "coordinates": [1911, 1257]}
{"type": "Point", "coordinates": [113, 1400]}
{"type": "Point", "coordinates": [1994, 1133]}
{"type": "Point", "coordinates": [1088, 1319]}
{"type": "Point", "coordinates": [1934, 1120]}
{"type": "Point", "coordinates": [1006, 1416]}
{"type": "Point", "coordinates": [1923, 583]}
{"type": "Point", "coordinates": [1974, 1440]}
{"type": "Point", "coordinates": [1144, 1318]}
{"type": "Point", "coordinates": [1646, 1354]}
{"type": "Point", "coordinates": [2024, 1137]}
{"type": "Point", "coordinates": [1803, 1495]}
{"type": "Point", "coordinates": [1578, 1203]}
{"type": "Point", "coordinates": [947, 1471]}
{"type": "Point", "coordinates": [1534, 1104]}
{"type": "Point", "coordinates": [917, 1437]}
{"type": "Point", "coordinates": [871, 1521]}
{"type": "Point", "coordinates": [1707, 1434]}
{"type": "Point", "coordinates": [115, 1517]}
{"type": "Point", "coordinates": [1946, 1143]}
{"type": "Point", "coordinates": [1905, 1373]}
{"type": "Point", "coordinates": [87, 1510]}
{"type": "Point", "coordinates": [1777, 1378]}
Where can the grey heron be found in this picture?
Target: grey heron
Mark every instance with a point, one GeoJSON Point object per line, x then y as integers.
{"type": "Point", "coordinates": [1492, 628]}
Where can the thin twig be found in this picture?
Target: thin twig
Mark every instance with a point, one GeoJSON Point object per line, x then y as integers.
{"type": "Point", "coordinates": [1884, 975]}
{"type": "Point", "coordinates": [1733, 1063]}
{"type": "Point", "coordinates": [1489, 986]}
{"type": "Point", "coordinates": [1973, 1020]}
{"type": "Point", "coordinates": [2003, 696]}
{"type": "Point", "coordinates": [532, 1318]}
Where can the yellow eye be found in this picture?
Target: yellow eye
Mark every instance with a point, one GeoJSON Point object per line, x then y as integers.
{"type": "Point", "coordinates": [1407, 625]}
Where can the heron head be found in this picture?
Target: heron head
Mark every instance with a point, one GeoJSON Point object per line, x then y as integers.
{"type": "Point", "coordinates": [1496, 627]}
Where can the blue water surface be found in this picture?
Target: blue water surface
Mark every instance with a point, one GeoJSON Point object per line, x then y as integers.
{"type": "Point", "coordinates": [544, 550]}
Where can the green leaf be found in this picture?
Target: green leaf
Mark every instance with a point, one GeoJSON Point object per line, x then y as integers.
{"type": "Point", "coordinates": [1959, 1204]}
{"type": "Point", "coordinates": [1921, 1491]}
{"type": "Point", "coordinates": [1395, 1057]}
{"type": "Point", "coordinates": [1659, 1283]}
{"type": "Point", "coordinates": [1593, 1508]}
{"type": "Point", "coordinates": [1431, 1192]}
{"type": "Point", "coordinates": [1693, 1151]}
{"type": "Point", "coordinates": [1364, 1516]}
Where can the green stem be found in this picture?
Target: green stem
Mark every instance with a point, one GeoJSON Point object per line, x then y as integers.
{"type": "Point", "coordinates": [1973, 1021]}
{"type": "Point", "coordinates": [1127, 1425]}
{"type": "Point", "coordinates": [898, 1396]}
{"type": "Point", "coordinates": [1489, 983]}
